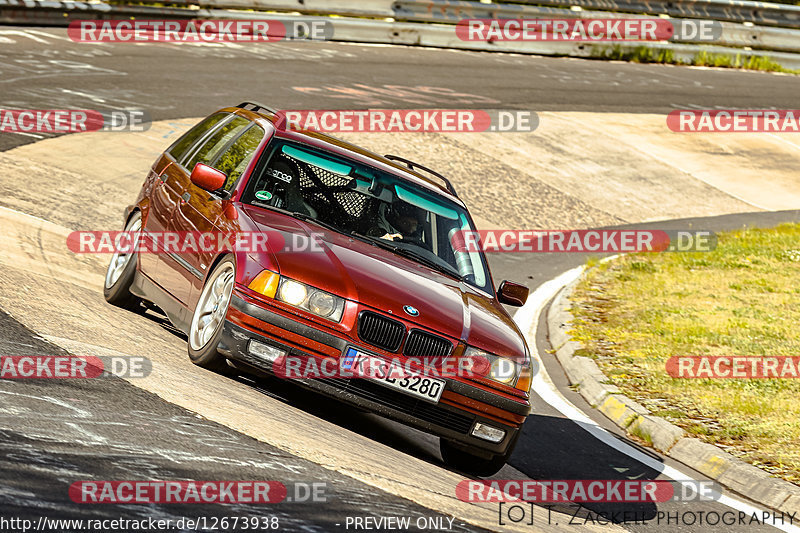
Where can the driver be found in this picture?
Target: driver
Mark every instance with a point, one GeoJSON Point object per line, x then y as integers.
{"type": "Point", "coordinates": [397, 221]}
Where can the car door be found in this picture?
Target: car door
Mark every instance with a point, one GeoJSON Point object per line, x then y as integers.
{"type": "Point", "coordinates": [167, 192]}
{"type": "Point", "coordinates": [229, 149]}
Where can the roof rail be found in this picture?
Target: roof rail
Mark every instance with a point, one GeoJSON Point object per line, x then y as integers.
{"type": "Point", "coordinates": [255, 106]}
{"type": "Point", "coordinates": [413, 166]}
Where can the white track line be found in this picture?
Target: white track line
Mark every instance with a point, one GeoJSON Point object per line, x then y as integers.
{"type": "Point", "coordinates": [527, 318]}
{"type": "Point", "coordinates": [35, 136]}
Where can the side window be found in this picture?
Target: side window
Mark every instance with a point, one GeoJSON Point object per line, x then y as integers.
{"type": "Point", "coordinates": [236, 158]}
{"type": "Point", "coordinates": [217, 143]}
{"type": "Point", "coordinates": [182, 145]}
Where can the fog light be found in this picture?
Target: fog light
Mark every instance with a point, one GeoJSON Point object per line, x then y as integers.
{"type": "Point", "coordinates": [486, 432]}
{"type": "Point", "coordinates": [265, 351]}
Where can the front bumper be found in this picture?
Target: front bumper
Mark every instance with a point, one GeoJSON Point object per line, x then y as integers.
{"type": "Point", "coordinates": [459, 409]}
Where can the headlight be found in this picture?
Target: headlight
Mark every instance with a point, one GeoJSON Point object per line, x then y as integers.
{"type": "Point", "coordinates": [292, 292]}
{"type": "Point", "coordinates": [321, 303]}
{"type": "Point", "coordinates": [501, 369]}
{"type": "Point", "coordinates": [298, 294]}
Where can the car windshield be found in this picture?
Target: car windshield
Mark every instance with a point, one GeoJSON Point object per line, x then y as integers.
{"type": "Point", "coordinates": [369, 204]}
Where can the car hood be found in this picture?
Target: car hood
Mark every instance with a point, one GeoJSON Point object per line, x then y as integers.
{"type": "Point", "coordinates": [384, 281]}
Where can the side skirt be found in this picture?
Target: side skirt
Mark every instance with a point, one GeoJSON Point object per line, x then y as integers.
{"type": "Point", "coordinates": [147, 289]}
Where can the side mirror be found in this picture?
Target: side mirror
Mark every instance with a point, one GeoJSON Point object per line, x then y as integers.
{"type": "Point", "coordinates": [511, 293]}
{"type": "Point", "coordinates": [208, 178]}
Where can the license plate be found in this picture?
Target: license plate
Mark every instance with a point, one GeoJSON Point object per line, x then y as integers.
{"type": "Point", "coordinates": [392, 375]}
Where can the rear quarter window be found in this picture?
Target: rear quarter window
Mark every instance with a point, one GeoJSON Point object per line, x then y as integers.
{"type": "Point", "coordinates": [182, 146]}
{"type": "Point", "coordinates": [217, 143]}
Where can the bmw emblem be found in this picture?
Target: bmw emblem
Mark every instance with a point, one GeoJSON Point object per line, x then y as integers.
{"type": "Point", "coordinates": [411, 310]}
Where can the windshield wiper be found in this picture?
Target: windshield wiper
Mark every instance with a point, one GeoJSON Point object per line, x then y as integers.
{"type": "Point", "coordinates": [375, 241]}
{"type": "Point", "coordinates": [304, 217]}
{"type": "Point", "coordinates": [308, 218]}
{"type": "Point", "coordinates": [369, 240]}
{"type": "Point", "coordinates": [450, 271]}
{"type": "Point", "coordinates": [410, 253]}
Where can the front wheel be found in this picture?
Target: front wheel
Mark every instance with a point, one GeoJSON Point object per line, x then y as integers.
{"type": "Point", "coordinates": [457, 458]}
{"type": "Point", "coordinates": [209, 317]}
{"type": "Point", "coordinates": [121, 271]}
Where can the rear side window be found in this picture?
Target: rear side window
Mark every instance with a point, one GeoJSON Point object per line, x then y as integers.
{"type": "Point", "coordinates": [182, 145]}
{"type": "Point", "coordinates": [235, 159]}
{"type": "Point", "coordinates": [217, 143]}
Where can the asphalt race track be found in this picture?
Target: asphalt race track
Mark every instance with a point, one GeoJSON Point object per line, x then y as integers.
{"type": "Point", "coordinates": [186, 423]}
{"type": "Point", "coordinates": [43, 67]}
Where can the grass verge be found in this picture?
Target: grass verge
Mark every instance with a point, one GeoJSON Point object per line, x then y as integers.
{"type": "Point", "coordinates": [743, 298]}
{"type": "Point", "coordinates": [644, 54]}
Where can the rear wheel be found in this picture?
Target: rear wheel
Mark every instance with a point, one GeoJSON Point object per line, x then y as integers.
{"type": "Point", "coordinates": [121, 271]}
{"type": "Point", "coordinates": [457, 458]}
{"type": "Point", "coordinates": [209, 316]}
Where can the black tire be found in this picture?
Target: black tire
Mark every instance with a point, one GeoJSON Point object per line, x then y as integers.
{"type": "Point", "coordinates": [203, 345]}
{"type": "Point", "coordinates": [117, 285]}
{"type": "Point", "coordinates": [456, 458]}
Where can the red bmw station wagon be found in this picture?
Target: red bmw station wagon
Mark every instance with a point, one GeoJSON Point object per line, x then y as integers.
{"type": "Point", "coordinates": [381, 281]}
